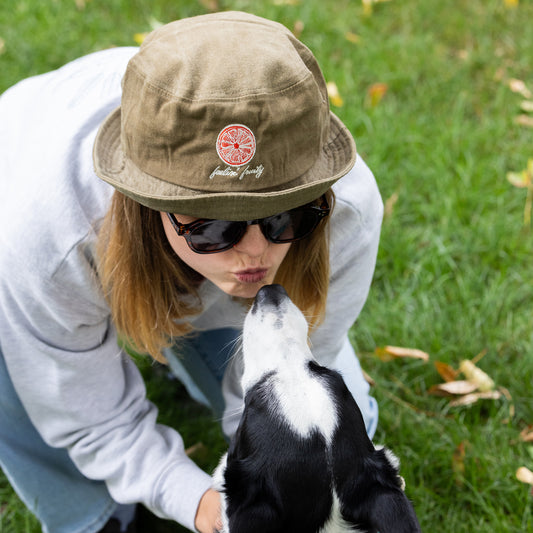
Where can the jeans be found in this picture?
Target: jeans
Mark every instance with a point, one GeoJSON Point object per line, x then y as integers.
{"type": "Point", "coordinates": [49, 483]}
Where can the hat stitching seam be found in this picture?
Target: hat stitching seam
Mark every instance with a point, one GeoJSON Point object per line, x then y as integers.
{"type": "Point", "coordinates": [212, 98]}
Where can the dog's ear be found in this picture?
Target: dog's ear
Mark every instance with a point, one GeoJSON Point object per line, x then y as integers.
{"type": "Point", "coordinates": [250, 500]}
{"type": "Point", "coordinates": [392, 512]}
{"type": "Point", "coordinates": [373, 495]}
{"type": "Point", "coordinates": [257, 517]}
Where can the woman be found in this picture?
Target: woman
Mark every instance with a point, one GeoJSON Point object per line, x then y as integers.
{"type": "Point", "coordinates": [222, 118]}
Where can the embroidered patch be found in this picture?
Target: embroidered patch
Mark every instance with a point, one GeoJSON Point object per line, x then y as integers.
{"type": "Point", "coordinates": [236, 145]}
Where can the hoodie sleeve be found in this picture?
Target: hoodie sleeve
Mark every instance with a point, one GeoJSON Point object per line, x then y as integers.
{"type": "Point", "coordinates": [84, 394]}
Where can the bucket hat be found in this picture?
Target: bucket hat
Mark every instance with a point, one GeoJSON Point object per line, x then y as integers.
{"type": "Point", "coordinates": [223, 116]}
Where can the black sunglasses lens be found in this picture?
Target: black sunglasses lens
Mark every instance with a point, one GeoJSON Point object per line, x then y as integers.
{"type": "Point", "coordinates": [290, 225]}
{"type": "Point", "coordinates": [216, 235]}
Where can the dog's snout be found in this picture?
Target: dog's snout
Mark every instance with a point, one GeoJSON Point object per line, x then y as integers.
{"type": "Point", "coordinates": [270, 295]}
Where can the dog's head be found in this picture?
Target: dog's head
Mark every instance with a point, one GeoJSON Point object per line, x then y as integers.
{"type": "Point", "coordinates": [301, 461]}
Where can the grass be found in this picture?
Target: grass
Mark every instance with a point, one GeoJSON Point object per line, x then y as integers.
{"type": "Point", "coordinates": [454, 274]}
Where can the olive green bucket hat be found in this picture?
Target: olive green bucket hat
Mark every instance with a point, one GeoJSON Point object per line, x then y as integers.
{"type": "Point", "coordinates": [223, 116]}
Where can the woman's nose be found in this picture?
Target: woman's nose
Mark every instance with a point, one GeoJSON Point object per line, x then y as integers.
{"type": "Point", "coordinates": [253, 242]}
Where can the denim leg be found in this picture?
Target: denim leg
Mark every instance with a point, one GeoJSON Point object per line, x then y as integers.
{"type": "Point", "coordinates": [45, 478]}
{"type": "Point", "coordinates": [199, 362]}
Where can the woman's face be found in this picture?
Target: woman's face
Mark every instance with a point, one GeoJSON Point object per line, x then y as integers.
{"type": "Point", "coordinates": [240, 271]}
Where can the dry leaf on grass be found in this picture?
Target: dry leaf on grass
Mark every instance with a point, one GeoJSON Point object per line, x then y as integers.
{"type": "Point", "coordinates": [475, 374]}
{"type": "Point", "coordinates": [446, 372]}
{"type": "Point", "coordinates": [389, 352]}
{"type": "Point", "coordinates": [526, 435]}
{"type": "Point", "coordinates": [453, 388]}
{"type": "Point", "coordinates": [524, 120]}
{"type": "Point", "coordinates": [298, 28]}
{"type": "Point", "coordinates": [389, 204]}
{"type": "Point", "coordinates": [518, 86]}
{"type": "Point", "coordinates": [352, 37]}
{"type": "Point", "coordinates": [470, 399]}
{"type": "Point", "coordinates": [524, 475]}
{"type": "Point", "coordinates": [458, 463]}
{"type": "Point", "coordinates": [334, 95]}
{"type": "Point", "coordinates": [375, 93]}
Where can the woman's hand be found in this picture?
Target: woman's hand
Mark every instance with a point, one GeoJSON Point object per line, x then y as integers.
{"type": "Point", "coordinates": [208, 514]}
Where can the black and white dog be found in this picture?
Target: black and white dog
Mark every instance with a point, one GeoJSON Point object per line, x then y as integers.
{"type": "Point", "coordinates": [301, 460]}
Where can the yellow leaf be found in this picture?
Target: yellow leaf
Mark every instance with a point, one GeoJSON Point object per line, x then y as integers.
{"type": "Point", "coordinates": [524, 475]}
{"type": "Point", "coordinates": [334, 95]}
{"type": "Point", "coordinates": [470, 399]}
{"type": "Point", "coordinates": [2, 46]}
{"type": "Point", "coordinates": [352, 37]}
{"type": "Point", "coordinates": [527, 106]}
{"type": "Point", "coordinates": [519, 179]}
{"type": "Point", "coordinates": [413, 353]}
{"type": "Point", "coordinates": [140, 37]}
{"type": "Point", "coordinates": [446, 372]}
{"type": "Point", "coordinates": [376, 92]}
{"type": "Point", "coordinates": [475, 374]}
{"type": "Point", "coordinates": [367, 7]}
{"type": "Point", "coordinates": [510, 3]}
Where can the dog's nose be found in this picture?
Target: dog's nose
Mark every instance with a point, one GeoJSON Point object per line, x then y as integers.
{"type": "Point", "coordinates": [270, 295]}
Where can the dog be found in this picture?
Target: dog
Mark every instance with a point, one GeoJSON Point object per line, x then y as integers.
{"type": "Point", "coordinates": [301, 460]}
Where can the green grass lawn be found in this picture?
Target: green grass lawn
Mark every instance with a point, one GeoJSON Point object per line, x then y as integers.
{"type": "Point", "coordinates": [454, 275]}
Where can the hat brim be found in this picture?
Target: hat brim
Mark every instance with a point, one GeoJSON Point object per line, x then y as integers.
{"type": "Point", "coordinates": [113, 166]}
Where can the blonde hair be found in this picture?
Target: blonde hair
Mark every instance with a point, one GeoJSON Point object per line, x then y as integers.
{"type": "Point", "coordinates": [151, 291]}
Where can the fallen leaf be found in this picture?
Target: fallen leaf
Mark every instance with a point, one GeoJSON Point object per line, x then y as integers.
{"type": "Point", "coordinates": [298, 28]}
{"type": "Point", "coordinates": [446, 372]}
{"type": "Point", "coordinates": [2, 46]}
{"type": "Point", "coordinates": [454, 388]}
{"type": "Point", "coordinates": [475, 374]}
{"type": "Point", "coordinates": [210, 5]}
{"type": "Point", "coordinates": [368, 378]}
{"type": "Point", "coordinates": [389, 204]}
{"type": "Point", "coordinates": [510, 3]}
{"type": "Point", "coordinates": [519, 179]}
{"type": "Point", "coordinates": [286, 2]}
{"type": "Point", "coordinates": [470, 399]}
{"type": "Point", "coordinates": [398, 351]}
{"type": "Point", "coordinates": [334, 95]}
{"type": "Point", "coordinates": [524, 120]}
{"type": "Point", "coordinates": [526, 434]}
{"type": "Point", "coordinates": [367, 5]}
{"type": "Point", "coordinates": [524, 475]}
{"type": "Point", "coordinates": [458, 463]}
{"type": "Point", "coordinates": [197, 452]}
{"type": "Point", "coordinates": [352, 37]}
{"type": "Point", "coordinates": [376, 92]}
{"type": "Point", "coordinates": [518, 86]}
{"type": "Point", "coordinates": [527, 106]}
{"type": "Point", "coordinates": [140, 37]}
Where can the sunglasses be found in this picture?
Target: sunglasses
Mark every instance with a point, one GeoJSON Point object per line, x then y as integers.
{"type": "Point", "coordinates": [206, 236]}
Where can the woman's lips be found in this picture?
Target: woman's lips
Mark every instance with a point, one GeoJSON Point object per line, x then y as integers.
{"type": "Point", "coordinates": [252, 275]}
